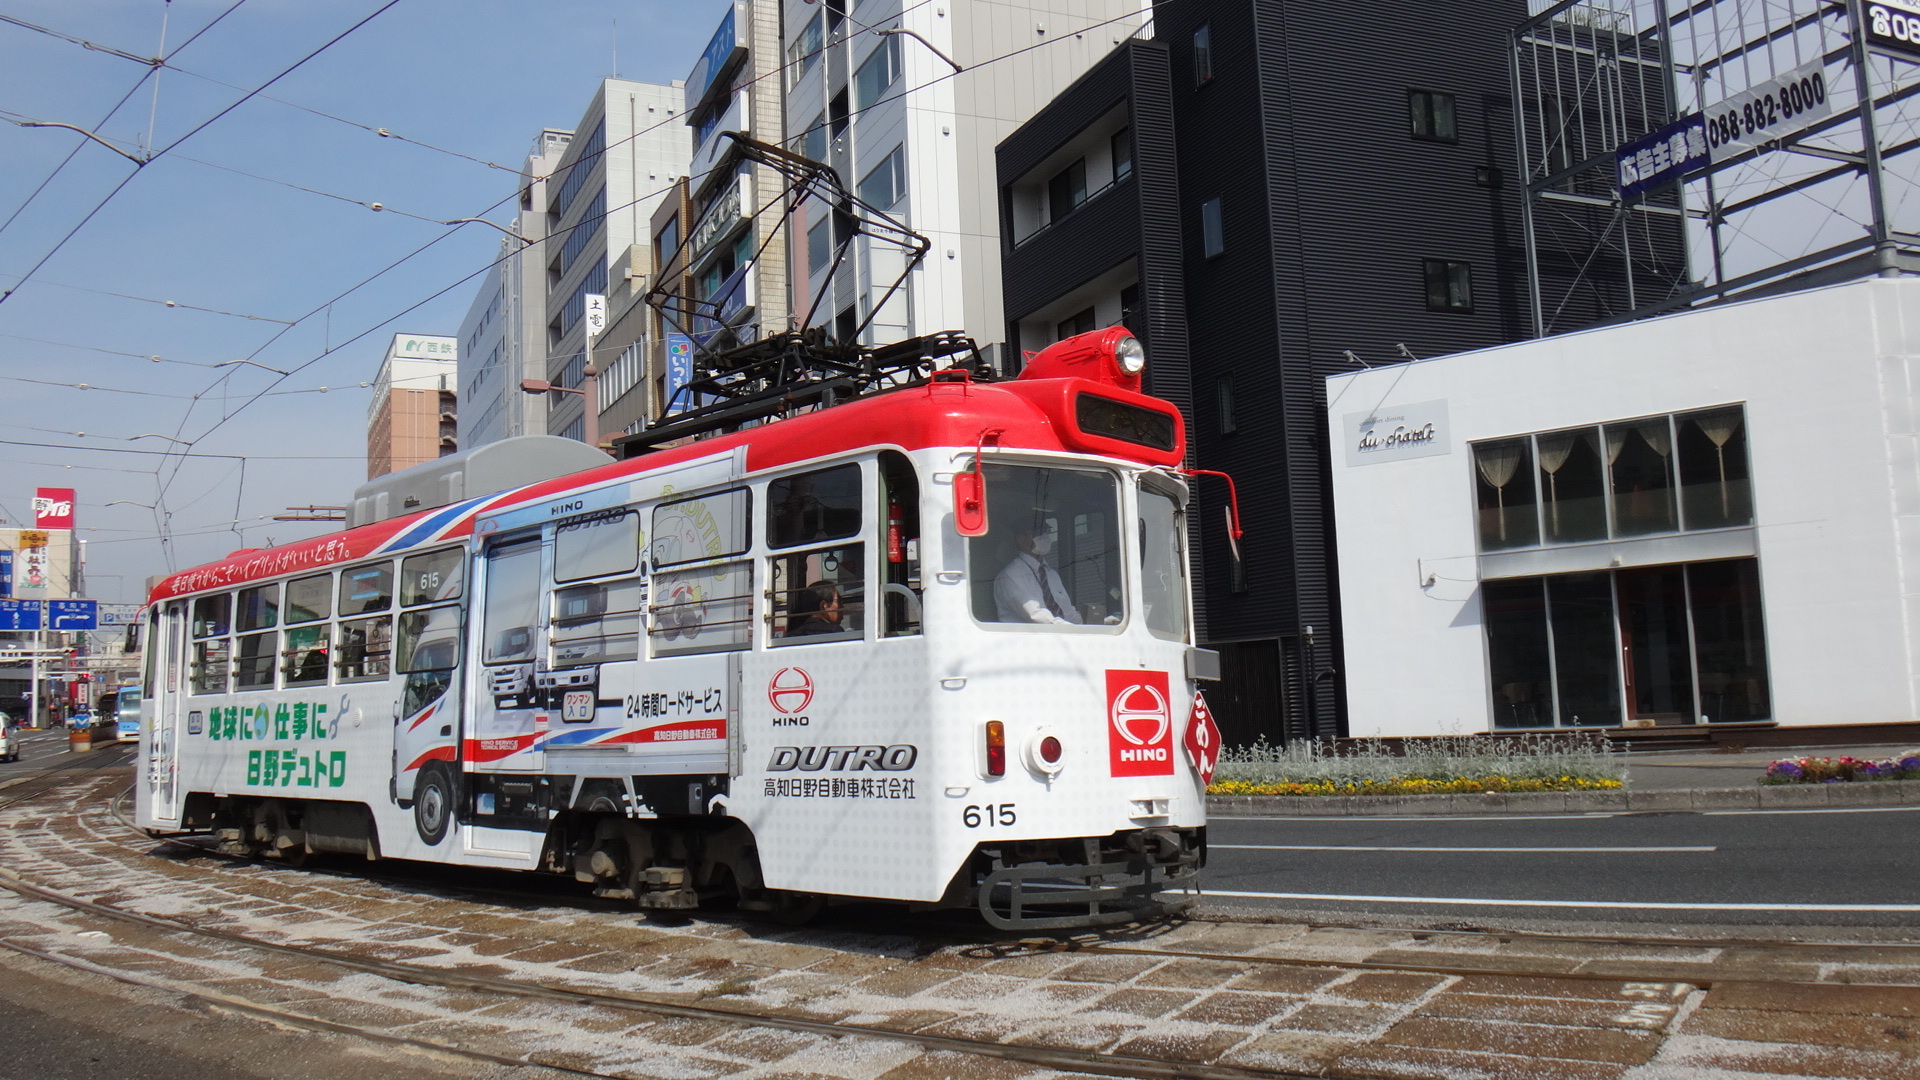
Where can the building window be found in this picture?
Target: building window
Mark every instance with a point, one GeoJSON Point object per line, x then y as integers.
{"type": "Point", "coordinates": [1133, 312]}
{"type": "Point", "coordinates": [1223, 402]}
{"type": "Point", "coordinates": [819, 244]}
{"type": "Point", "coordinates": [1079, 322]}
{"type": "Point", "coordinates": [1679, 642]}
{"type": "Point", "coordinates": [1449, 285]}
{"type": "Point", "coordinates": [1202, 56]}
{"type": "Point", "coordinates": [1211, 241]}
{"type": "Point", "coordinates": [805, 50]}
{"type": "Point", "coordinates": [1431, 116]}
{"type": "Point", "coordinates": [1122, 146]}
{"type": "Point", "coordinates": [813, 141]}
{"type": "Point", "coordinates": [1657, 475]}
{"type": "Point", "coordinates": [888, 181]}
{"type": "Point", "coordinates": [1067, 190]}
{"type": "Point", "coordinates": [667, 242]}
{"type": "Point", "coordinates": [877, 75]}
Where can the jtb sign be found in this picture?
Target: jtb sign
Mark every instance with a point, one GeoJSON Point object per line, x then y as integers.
{"type": "Point", "coordinates": [53, 508]}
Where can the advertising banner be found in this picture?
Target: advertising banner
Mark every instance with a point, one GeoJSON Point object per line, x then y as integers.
{"type": "Point", "coordinates": [679, 373]}
{"type": "Point", "coordinates": [1893, 26]}
{"type": "Point", "coordinates": [6, 572]}
{"type": "Point", "coordinates": [53, 508]}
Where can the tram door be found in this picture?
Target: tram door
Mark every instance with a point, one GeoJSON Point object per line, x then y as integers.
{"type": "Point", "coordinates": [509, 716]}
{"type": "Point", "coordinates": [169, 640]}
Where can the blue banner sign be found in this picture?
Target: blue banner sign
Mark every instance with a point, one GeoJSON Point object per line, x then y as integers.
{"type": "Point", "coordinates": [726, 46]}
{"type": "Point", "coordinates": [73, 614]}
{"type": "Point", "coordinates": [1662, 156]}
{"type": "Point", "coordinates": [679, 373]}
{"type": "Point", "coordinates": [19, 614]}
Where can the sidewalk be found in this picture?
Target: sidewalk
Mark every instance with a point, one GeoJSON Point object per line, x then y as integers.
{"type": "Point", "coordinates": [1661, 781]}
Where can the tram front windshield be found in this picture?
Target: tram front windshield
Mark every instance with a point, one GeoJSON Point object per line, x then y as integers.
{"type": "Point", "coordinates": [1051, 557]}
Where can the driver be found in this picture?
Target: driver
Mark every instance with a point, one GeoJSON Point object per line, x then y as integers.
{"type": "Point", "coordinates": [1029, 590]}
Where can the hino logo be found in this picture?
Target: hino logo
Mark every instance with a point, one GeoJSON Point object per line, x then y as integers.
{"type": "Point", "coordinates": [897, 758]}
{"type": "Point", "coordinates": [1139, 723]}
{"type": "Point", "coordinates": [1137, 707]}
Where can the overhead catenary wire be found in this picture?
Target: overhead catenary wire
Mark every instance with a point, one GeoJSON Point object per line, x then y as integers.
{"type": "Point", "coordinates": [234, 409]}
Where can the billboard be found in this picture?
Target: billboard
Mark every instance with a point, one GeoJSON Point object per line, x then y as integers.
{"type": "Point", "coordinates": [53, 508]}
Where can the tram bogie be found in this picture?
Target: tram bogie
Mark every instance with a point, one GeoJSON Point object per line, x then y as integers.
{"type": "Point", "coordinates": [774, 668]}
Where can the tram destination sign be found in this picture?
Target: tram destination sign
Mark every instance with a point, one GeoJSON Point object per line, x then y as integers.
{"type": "Point", "coordinates": [1892, 26]}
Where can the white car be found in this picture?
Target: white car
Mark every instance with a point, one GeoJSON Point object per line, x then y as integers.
{"type": "Point", "coordinates": [9, 739]}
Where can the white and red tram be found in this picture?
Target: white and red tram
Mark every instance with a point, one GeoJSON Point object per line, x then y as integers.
{"type": "Point", "coordinates": [932, 645]}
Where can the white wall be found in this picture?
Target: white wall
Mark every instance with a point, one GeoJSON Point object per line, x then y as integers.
{"type": "Point", "coordinates": [1829, 380]}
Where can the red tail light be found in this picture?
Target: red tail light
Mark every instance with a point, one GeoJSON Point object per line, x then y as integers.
{"type": "Point", "coordinates": [1050, 750]}
{"type": "Point", "coordinates": [996, 748]}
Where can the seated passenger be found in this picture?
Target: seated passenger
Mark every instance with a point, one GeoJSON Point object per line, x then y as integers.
{"type": "Point", "coordinates": [1027, 589]}
{"type": "Point", "coordinates": [817, 610]}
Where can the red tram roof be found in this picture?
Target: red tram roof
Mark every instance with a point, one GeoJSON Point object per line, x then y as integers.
{"type": "Point", "coordinates": [1029, 413]}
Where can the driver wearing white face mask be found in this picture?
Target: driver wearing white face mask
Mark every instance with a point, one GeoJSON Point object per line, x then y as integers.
{"type": "Point", "coordinates": [1027, 589]}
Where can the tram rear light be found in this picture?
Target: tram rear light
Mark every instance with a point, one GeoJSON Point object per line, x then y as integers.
{"type": "Point", "coordinates": [1050, 750]}
{"type": "Point", "coordinates": [996, 748]}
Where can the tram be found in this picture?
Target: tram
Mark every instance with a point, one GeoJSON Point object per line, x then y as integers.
{"type": "Point", "coordinates": [932, 645]}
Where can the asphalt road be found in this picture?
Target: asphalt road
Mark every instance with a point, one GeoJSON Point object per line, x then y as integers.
{"type": "Point", "coordinates": [1784, 869]}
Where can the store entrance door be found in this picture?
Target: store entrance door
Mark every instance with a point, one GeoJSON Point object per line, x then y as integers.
{"type": "Point", "coordinates": [1656, 644]}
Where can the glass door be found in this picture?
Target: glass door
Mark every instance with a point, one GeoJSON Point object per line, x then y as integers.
{"type": "Point", "coordinates": [1656, 644]}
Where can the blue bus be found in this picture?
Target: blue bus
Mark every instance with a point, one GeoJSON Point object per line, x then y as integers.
{"type": "Point", "coordinates": [126, 712]}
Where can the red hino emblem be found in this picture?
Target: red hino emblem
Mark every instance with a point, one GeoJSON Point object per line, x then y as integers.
{"type": "Point", "coordinates": [1139, 723]}
{"type": "Point", "coordinates": [790, 690]}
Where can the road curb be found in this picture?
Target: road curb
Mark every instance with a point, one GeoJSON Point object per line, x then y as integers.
{"type": "Point", "coordinates": [1758, 797]}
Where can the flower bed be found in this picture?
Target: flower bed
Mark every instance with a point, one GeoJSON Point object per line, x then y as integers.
{"type": "Point", "coordinates": [1415, 785]}
{"type": "Point", "coordinates": [1820, 770]}
{"type": "Point", "coordinates": [1448, 765]}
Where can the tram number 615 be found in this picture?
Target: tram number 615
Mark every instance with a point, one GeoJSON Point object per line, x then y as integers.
{"type": "Point", "coordinates": [991, 814]}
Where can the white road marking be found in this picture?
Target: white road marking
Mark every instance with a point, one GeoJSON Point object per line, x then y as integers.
{"type": "Point", "coordinates": [1814, 810]}
{"type": "Point", "coordinates": [1367, 818]}
{"type": "Point", "coordinates": [1468, 901]}
{"type": "Point", "coordinates": [1546, 850]}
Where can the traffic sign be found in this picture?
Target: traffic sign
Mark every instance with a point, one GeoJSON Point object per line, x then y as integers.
{"type": "Point", "coordinates": [19, 614]}
{"type": "Point", "coordinates": [73, 614]}
{"type": "Point", "coordinates": [119, 614]}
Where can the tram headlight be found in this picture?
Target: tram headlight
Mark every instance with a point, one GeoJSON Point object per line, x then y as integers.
{"type": "Point", "coordinates": [1043, 753]}
{"type": "Point", "coordinates": [1130, 355]}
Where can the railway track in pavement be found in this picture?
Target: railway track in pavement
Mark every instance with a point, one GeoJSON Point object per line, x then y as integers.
{"type": "Point", "coordinates": [594, 991]}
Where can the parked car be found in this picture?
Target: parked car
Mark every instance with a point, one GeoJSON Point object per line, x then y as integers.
{"type": "Point", "coordinates": [9, 739]}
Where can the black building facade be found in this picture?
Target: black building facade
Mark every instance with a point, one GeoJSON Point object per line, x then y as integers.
{"type": "Point", "coordinates": [1311, 185]}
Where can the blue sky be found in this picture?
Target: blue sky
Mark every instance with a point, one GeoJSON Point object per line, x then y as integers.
{"type": "Point", "coordinates": [460, 82]}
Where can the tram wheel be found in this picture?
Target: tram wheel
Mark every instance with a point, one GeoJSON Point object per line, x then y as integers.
{"type": "Point", "coordinates": [433, 803]}
{"type": "Point", "coordinates": [794, 908]}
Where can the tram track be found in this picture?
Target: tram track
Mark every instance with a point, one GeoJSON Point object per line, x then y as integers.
{"type": "Point", "coordinates": [97, 829]}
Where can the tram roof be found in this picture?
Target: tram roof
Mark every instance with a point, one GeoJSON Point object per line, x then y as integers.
{"type": "Point", "coordinates": [1029, 413]}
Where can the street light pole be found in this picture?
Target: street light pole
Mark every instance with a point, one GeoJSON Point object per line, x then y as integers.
{"type": "Point", "coordinates": [589, 391]}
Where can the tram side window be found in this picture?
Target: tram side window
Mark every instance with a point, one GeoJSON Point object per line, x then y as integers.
{"type": "Point", "coordinates": [433, 577]}
{"type": "Point", "coordinates": [210, 646]}
{"type": "Point", "coordinates": [427, 652]}
{"type": "Point", "coordinates": [304, 641]}
{"type": "Point", "coordinates": [900, 554]}
{"type": "Point", "coordinates": [364, 648]}
{"type": "Point", "coordinates": [699, 608]}
{"type": "Point", "coordinates": [1163, 582]}
{"type": "Point", "coordinates": [813, 506]}
{"type": "Point", "coordinates": [1051, 557]}
{"type": "Point", "coordinates": [256, 614]}
{"type": "Point", "coordinates": [512, 605]}
{"type": "Point", "coordinates": [597, 621]}
{"type": "Point", "coordinates": [818, 595]}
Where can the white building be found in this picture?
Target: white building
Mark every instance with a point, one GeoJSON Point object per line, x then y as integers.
{"type": "Point", "coordinates": [611, 178]}
{"type": "Point", "coordinates": [1707, 517]}
{"type": "Point", "coordinates": [414, 414]}
{"type": "Point", "coordinates": [909, 134]}
{"type": "Point", "coordinates": [504, 336]}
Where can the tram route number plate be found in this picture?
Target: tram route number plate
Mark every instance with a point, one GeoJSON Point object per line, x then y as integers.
{"type": "Point", "coordinates": [577, 705]}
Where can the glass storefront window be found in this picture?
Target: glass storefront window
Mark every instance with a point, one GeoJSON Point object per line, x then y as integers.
{"type": "Point", "coordinates": [1573, 485]}
{"type": "Point", "coordinates": [1640, 459]}
{"type": "Point", "coordinates": [1676, 644]}
{"type": "Point", "coordinates": [1715, 489]}
{"type": "Point", "coordinates": [1503, 483]}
